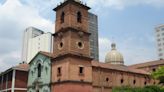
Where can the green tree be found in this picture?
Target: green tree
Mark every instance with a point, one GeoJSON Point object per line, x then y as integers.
{"type": "Point", "coordinates": [159, 74]}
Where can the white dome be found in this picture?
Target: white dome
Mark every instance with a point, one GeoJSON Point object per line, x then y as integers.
{"type": "Point", "coordinates": [114, 57]}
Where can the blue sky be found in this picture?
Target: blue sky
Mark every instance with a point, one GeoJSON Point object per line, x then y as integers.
{"type": "Point", "coordinates": [128, 23]}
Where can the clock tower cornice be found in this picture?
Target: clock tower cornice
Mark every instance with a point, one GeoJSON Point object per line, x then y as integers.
{"type": "Point", "coordinates": [70, 29]}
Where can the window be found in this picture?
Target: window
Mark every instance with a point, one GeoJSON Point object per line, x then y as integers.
{"type": "Point", "coordinates": [158, 35]}
{"type": "Point", "coordinates": [59, 71]}
{"type": "Point", "coordinates": [145, 83]}
{"type": "Point", "coordinates": [122, 81]}
{"type": "Point", "coordinates": [39, 70]}
{"type": "Point", "coordinates": [134, 81]}
{"type": "Point", "coordinates": [107, 79]}
{"type": "Point", "coordinates": [154, 83]}
{"type": "Point", "coordinates": [79, 17]}
{"type": "Point", "coordinates": [160, 54]}
{"type": "Point", "coordinates": [80, 45]}
{"type": "Point", "coordinates": [162, 29]}
{"type": "Point", "coordinates": [154, 70]}
{"type": "Point", "coordinates": [159, 49]}
{"type": "Point", "coordinates": [81, 70]}
{"type": "Point", "coordinates": [60, 45]}
{"type": "Point", "coordinates": [62, 17]}
{"type": "Point", "coordinates": [157, 30]}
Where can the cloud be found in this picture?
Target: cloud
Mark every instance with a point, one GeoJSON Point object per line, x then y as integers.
{"type": "Point", "coordinates": [104, 47]}
{"type": "Point", "coordinates": [14, 18]}
{"type": "Point", "coordinates": [121, 4]}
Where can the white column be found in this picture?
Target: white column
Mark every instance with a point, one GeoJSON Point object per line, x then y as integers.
{"type": "Point", "coordinates": [13, 81]}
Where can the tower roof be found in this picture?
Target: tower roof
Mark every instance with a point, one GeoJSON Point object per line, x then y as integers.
{"type": "Point", "coordinates": [76, 2]}
{"type": "Point", "coordinates": [114, 57]}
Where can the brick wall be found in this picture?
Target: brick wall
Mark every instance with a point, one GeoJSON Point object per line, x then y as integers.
{"type": "Point", "coordinates": [21, 79]}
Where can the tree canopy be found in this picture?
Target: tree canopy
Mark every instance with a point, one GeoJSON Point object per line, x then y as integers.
{"type": "Point", "coordinates": [159, 74]}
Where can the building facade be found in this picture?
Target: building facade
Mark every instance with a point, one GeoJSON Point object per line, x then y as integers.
{"type": "Point", "coordinates": [39, 76]}
{"type": "Point", "coordinates": [150, 66]}
{"type": "Point", "coordinates": [29, 33]}
{"type": "Point", "coordinates": [43, 42]}
{"type": "Point", "coordinates": [35, 40]}
{"type": "Point", "coordinates": [93, 29]}
{"type": "Point", "coordinates": [70, 66]}
{"type": "Point", "coordinates": [14, 79]}
{"type": "Point", "coordinates": [159, 33]}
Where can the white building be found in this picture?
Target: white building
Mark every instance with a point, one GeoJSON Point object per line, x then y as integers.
{"type": "Point", "coordinates": [35, 40]}
{"type": "Point", "coordinates": [159, 33]}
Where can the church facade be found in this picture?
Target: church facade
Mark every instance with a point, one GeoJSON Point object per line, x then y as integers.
{"type": "Point", "coordinates": [70, 68]}
{"type": "Point", "coordinates": [39, 75]}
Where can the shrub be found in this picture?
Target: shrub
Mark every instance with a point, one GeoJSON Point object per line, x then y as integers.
{"type": "Point", "coordinates": [145, 89]}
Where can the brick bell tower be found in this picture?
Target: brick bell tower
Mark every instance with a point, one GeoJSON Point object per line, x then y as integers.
{"type": "Point", "coordinates": [71, 67]}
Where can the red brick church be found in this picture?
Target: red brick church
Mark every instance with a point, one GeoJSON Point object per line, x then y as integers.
{"type": "Point", "coordinates": [71, 69]}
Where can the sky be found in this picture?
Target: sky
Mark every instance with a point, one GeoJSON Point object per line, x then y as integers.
{"type": "Point", "coordinates": [128, 23]}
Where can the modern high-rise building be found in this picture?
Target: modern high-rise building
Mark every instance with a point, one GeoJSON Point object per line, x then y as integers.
{"type": "Point", "coordinates": [35, 40]}
{"type": "Point", "coordinates": [159, 33]}
{"type": "Point", "coordinates": [93, 29]}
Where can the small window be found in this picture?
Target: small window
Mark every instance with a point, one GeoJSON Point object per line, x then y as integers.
{"type": "Point", "coordinates": [122, 81]}
{"type": "Point", "coordinates": [107, 79]}
{"type": "Point", "coordinates": [59, 71]}
{"type": "Point", "coordinates": [62, 17]}
{"type": "Point", "coordinates": [154, 83]}
{"type": "Point", "coordinates": [60, 45]}
{"type": "Point", "coordinates": [134, 82]}
{"type": "Point", "coordinates": [79, 17]}
{"type": "Point", "coordinates": [81, 70]}
{"type": "Point", "coordinates": [145, 83]}
{"type": "Point", "coordinates": [154, 69]}
{"type": "Point", "coordinates": [157, 30]}
{"type": "Point", "coordinates": [159, 40]}
{"type": "Point", "coordinates": [80, 45]}
{"type": "Point", "coordinates": [161, 54]}
{"type": "Point", "coordinates": [39, 70]}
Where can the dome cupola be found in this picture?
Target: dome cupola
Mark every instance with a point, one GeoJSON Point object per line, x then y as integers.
{"type": "Point", "coordinates": [114, 57]}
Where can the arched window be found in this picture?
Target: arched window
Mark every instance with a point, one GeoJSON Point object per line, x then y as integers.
{"type": "Point", "coordinates": [79, 16]}
{"type": "Point", "coordinates": [62, 17]}
{"type": "Point", "coordinates": [39, 70]}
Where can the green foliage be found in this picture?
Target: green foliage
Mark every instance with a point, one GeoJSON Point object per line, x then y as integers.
{"type": "Point", "coordinates": [159, 74]}
{"type": "Point", "coordinates": [145, 89]}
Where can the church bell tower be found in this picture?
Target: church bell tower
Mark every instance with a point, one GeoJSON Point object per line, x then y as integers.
{"type": "Point", "coordinates": [71, 35]}
{"type": "Point", "coordinates": [71, 67]}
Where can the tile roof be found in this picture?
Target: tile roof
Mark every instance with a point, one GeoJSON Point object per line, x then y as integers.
{"type": "Point", "coordinates": [119, 68]}
{"type": "Point", "coordinates": [151, 63]}
{"type": "Point", "coordinates": [22, 66]}
{"type": "Point", "coordinates": [51, 55]}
